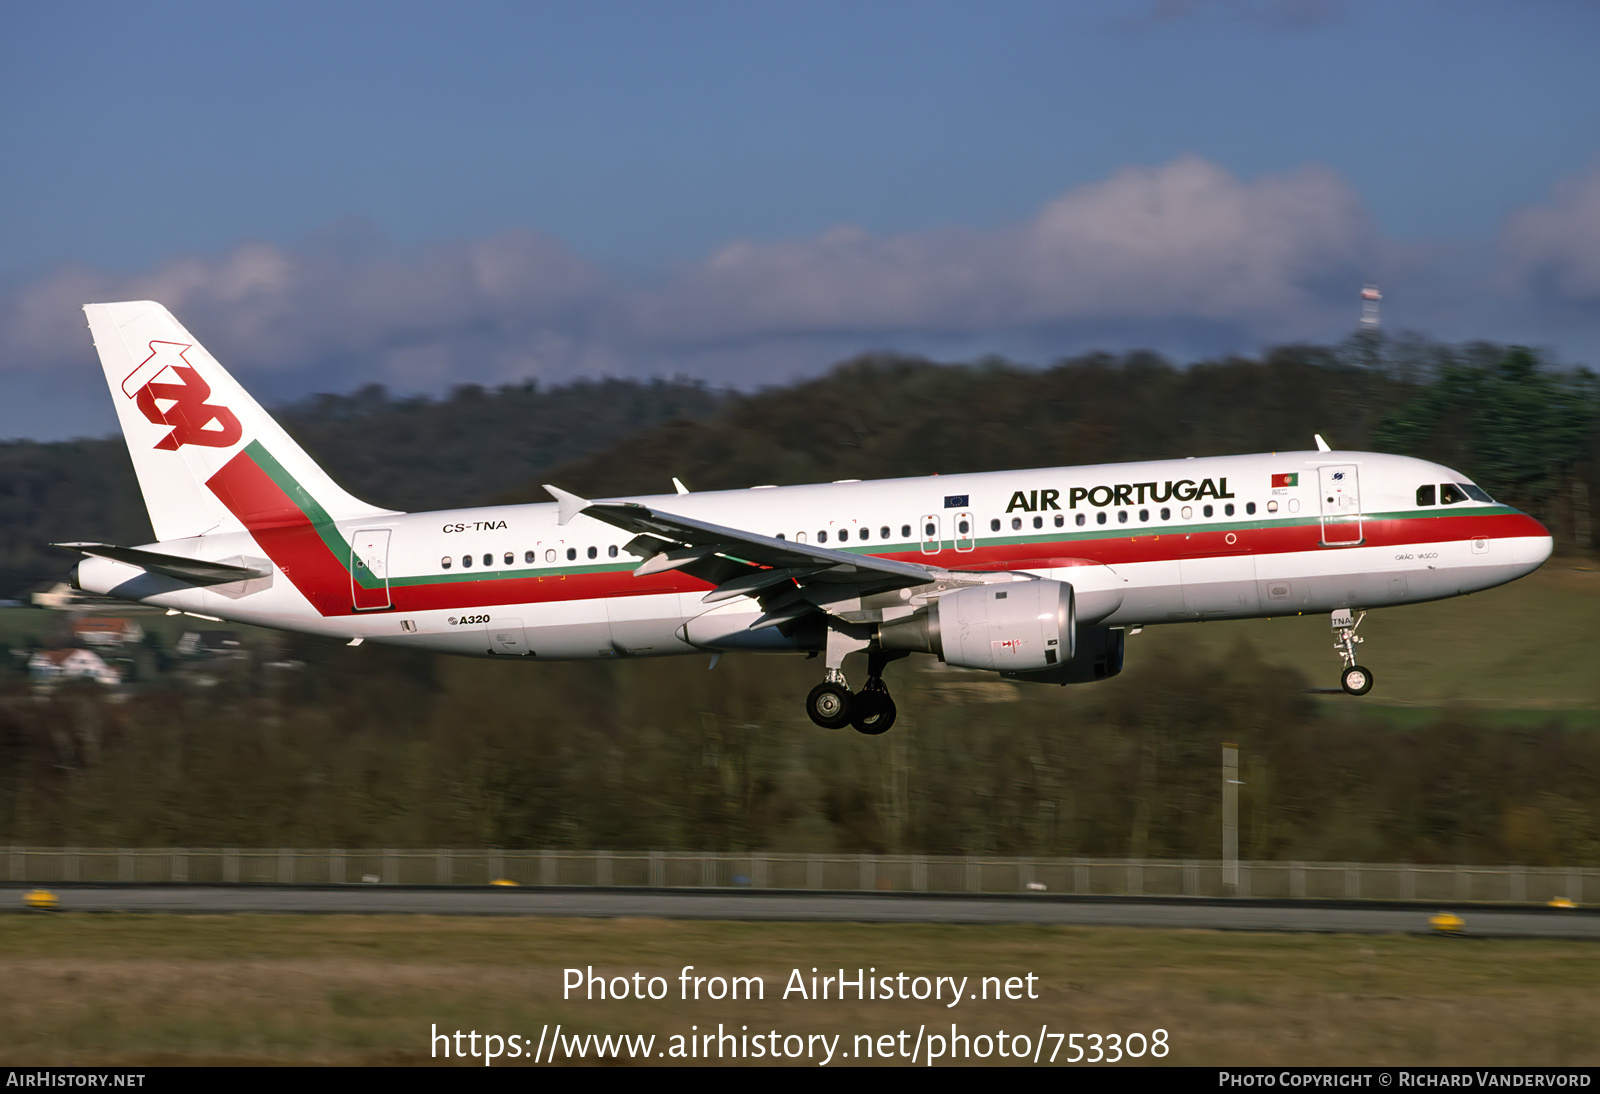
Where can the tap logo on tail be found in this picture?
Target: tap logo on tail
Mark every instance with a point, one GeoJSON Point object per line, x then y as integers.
{"type": "Point", "coordinates": [193, 420]}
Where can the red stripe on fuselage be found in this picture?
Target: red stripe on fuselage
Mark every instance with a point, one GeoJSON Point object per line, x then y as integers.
{"type": "Point", "coordinates": [1113, 550]}
{"type": "Point", "coordinates": [290, 539]}
{"type": "Point", "coordinates": [1167, 545]}
{"type": "Point", "coordinates": [285, 533]}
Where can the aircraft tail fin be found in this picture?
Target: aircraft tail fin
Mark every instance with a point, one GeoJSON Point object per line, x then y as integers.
{"type": "Point", "coordinates": [208, 457]}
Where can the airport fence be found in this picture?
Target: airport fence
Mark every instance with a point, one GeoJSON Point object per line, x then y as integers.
{"type": "Point", "coordinates": [836, 872]}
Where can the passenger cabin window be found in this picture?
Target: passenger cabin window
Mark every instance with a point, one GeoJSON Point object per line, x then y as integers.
{"type": "Point", "coordinates": [883, 533]}
{"type": "Point", "coordinates": [1425, 494]}
{"type": "Point", "coordinates": [1208, 510]}
{"type": "Point", "coordinates": [593, 551]}
{"type": "Point", "coordinates": [1250, 508]}
{"type": "Point", "coordinates": [444, 563]}
{"type": "Point", "coordinates": [1122, 516]}
{"type": "Point", "coordinates": [963, 527]}
{"type": "Point", "coordinates": [1166, 514]}
{"type": "Point", "coordinates": [550, 555]}
{"type": "Point", "coordinates": [1038, 522]}
{"type": "Point", "coordinates": [528, 557]}
{"type": "Point", "coordinates": [844, 534]}
{"type": "Point", "coordinates": [572, 554]}
{"type": "Point", "coordinates": [488, 559]}
{"type": "Point", "coordinates": [905, 531]}
{"type": "Point", "coordinates": [994, 526]}
{"type": "Point", "coordinates": [1100, 517]}
{"type": "Point", "coordinates": [822, 537]}
{"type": "Point", "coordinates": [1060, 520]}
{"type": "Point", "coordinates": [611, 551]}
{"type": "Point", "coordinates": [1144, 515]}
{"type": "Point", "coordinates": [1016, 524]}
{"type": "Point", "coordinates": [510, 558]}
{"type": "Point", "coordinates": [1228, 509]}
{"type": "Point", "coordinates": [1081, 520]}
{"type": "Point", "coordinates": [466, 562]}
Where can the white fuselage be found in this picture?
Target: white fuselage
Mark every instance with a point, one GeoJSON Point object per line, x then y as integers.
{"type": "Point", "coordinates": [1145, 543]}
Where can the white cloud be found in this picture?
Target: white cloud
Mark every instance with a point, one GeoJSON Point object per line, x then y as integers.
{"type": "Point", "coordinates": [1186, 241]}
{"type": "Point", "coordinates": [1552, 251]}
{"type": "Point", "coordinates": [1185, 258]}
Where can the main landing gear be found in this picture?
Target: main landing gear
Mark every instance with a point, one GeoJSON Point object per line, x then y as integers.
{"type": "Point", "coordinates": [1355, 679]}
{"type": "Point", "coordinates": [832, 705]}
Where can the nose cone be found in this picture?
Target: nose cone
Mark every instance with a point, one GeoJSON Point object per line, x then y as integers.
{"type": "Point", "coordinates": [1529, 545]}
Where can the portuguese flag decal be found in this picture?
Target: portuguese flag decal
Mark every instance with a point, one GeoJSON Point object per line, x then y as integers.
{"type": "Point", "coordinates": [1291, 479]}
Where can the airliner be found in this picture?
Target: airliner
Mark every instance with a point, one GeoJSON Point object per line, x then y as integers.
{"type": "Point", "coordinates": [1037, 575]}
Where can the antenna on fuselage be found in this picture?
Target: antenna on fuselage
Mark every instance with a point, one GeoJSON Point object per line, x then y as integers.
{"type": "Point", "coordinates": [1322, 445]}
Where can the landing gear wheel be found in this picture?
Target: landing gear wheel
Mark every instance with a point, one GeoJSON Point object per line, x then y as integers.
{"type": "Point", "coordinates": [830, 705]}
{"type": "Point", "coordinates": [874, 712]}
{"type": "Point", "coordinates": [1356, 680]}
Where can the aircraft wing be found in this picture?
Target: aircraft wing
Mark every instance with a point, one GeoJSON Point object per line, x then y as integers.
{"type": "Point", "coordinates": [789, 579]}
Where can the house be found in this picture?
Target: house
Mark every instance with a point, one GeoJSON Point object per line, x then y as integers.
{"type": "Point", "coordinates": [53, 666]}
{"type": "Point", "coordinates": [106, 630]}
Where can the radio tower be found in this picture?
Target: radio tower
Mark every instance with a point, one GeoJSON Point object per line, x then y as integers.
{"type": "Point", "coordinates": [1369, 307]}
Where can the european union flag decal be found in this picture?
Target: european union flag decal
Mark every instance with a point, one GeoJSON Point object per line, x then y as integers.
{"type": "Point", "coordinates": [955, 501]}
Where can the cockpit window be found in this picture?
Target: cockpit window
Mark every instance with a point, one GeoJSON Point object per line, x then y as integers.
{"type": "Point", "coordinates": [1450, 493]}
{"type": "Point", "coordinates": [1476, 493]}
{"type": "Point", "coordinates": [1425, 494]}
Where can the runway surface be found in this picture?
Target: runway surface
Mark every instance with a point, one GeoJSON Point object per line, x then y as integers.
{"type": "Point", "coordinates": [1503, 921]}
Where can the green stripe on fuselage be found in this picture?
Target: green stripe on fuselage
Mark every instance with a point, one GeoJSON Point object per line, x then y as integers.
{"type": "Point", "coordinates": [313, 511]}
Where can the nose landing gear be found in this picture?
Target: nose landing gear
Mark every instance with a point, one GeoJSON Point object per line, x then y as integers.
{"type": "Point", "coordinates": [1355, 679]}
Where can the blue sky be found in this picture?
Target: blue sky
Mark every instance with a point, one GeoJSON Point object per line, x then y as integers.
{"type": "Point", "coordinates": [424, 195]}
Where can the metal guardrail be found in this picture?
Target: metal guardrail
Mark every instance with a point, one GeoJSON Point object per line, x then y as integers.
{"type": "Point", "coordinates": [866, 873]}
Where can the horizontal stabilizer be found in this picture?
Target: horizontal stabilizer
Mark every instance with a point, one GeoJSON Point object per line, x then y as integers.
{"type": "Point", "coordinates": [192, 570]}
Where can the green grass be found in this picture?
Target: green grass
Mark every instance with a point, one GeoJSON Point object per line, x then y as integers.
{"type": "Point", "coordinates": [136, 990]}
{"type": "Point", "coordinates": [1533, 645]}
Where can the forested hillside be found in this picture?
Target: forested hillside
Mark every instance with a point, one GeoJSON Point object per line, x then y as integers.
{"type": "Point", "coordinates": [306, 742]}
{"type": "Point", "coordinates": [1528, 433]}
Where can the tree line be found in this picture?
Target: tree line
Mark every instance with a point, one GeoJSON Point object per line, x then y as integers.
{"type": "Point", "coordinates": [1527, 431]}
{"type": "Point", "coordinates": [383, 748]}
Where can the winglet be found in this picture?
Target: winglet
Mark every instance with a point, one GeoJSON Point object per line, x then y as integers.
{"type": "Point", "coordinates": [1322, 445]}
{"type": "Point", "coordinates": [571, 504]}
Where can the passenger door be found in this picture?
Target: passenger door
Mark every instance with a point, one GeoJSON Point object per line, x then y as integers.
{"type": "Point", "coordinates": [1340, 498]}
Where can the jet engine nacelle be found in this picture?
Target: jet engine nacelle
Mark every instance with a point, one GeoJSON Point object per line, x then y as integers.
{"type": "Point", "coordinates": [1098, 657]}
{"type": "Point", "coordinates": [1014, 626]}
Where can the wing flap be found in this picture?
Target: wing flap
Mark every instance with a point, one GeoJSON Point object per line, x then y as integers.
{"type": "Point", "coordinates": [789, 579]}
